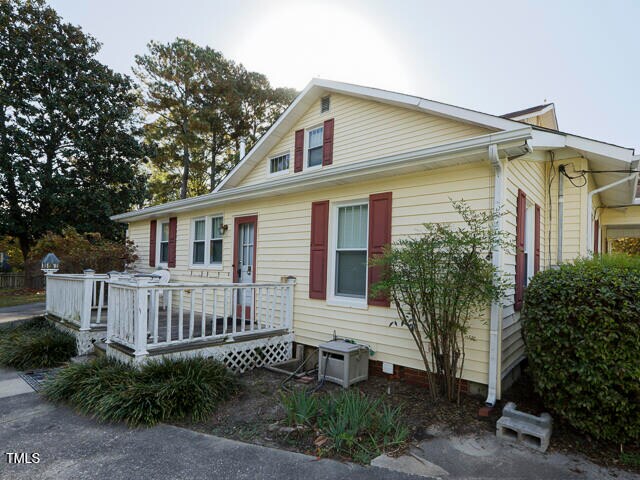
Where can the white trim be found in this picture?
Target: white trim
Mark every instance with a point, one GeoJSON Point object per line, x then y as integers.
{"type": "Point", "coordinates": [419, 159]}
{"type": "Point", "coordinates": [305, 157]}
{"type": "Point", "coordinates": [207, 265]}
{"type": "Point", "coordinates": [280, 172]}
{"type": "Point", "coordinates": [159, 224]}
{"type": "Point", "coordinates": [332, 297]}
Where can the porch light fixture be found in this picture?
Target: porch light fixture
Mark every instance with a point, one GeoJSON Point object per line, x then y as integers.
{"type": "Point", "coordinates": [50, 263]}
{"type": "Point", "coordinates": [223, 229]}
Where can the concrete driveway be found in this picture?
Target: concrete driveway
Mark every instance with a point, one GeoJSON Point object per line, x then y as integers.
{"type": "Point", "coordinates": [71, 446]}
{"type": "Point", "coordinates": [21, 312]}
{"type": "Point", "coordinates": [75, 447]}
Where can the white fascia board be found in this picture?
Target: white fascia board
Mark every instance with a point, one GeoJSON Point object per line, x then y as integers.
{"type": "Point", "coordinates": [318, 85]}
{"type": "Point", "coordinates": [535, 113]}
{"type": "Point", "coordinates": [600, 148]}
{"type": "Point", "coordinates": [332, 174]}
{"type": "Point", "coordinates": [429, 106]}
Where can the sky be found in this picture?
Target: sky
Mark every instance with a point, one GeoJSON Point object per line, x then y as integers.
{"type": "Point", "coordinates": [491, 56]}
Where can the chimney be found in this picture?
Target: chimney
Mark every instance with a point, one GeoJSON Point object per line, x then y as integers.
{"type": "Point", "coordinates": [243, 147]}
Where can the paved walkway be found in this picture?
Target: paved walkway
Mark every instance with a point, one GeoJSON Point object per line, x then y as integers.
{"type": "Point", "coordinates": [21, 312]}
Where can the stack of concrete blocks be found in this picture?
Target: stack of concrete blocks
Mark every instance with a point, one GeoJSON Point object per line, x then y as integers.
{"type": "Point", "coordinates": [523, 428]}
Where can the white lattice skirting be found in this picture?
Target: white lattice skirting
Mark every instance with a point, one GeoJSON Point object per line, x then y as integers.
{"type": "Point", "coordinates": [238, 356]}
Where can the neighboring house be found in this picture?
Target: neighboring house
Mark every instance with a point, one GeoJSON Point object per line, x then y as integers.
{"type": "Point", "coordinates": [346, 169]}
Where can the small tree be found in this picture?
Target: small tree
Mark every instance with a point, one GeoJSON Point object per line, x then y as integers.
{"type": "Point", "coordinates": [438, 281]}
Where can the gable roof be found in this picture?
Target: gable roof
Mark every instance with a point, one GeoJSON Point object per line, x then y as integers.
{"type": "Point", "coordinates": [529, 112]}
{"type": "Point", "coordinates": [319, 87]}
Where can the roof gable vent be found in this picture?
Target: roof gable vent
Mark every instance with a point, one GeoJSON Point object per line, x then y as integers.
{"type": "Point", "coordinates": [325, 103]}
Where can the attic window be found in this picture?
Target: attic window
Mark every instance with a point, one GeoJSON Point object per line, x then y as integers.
{"type": "Point", "coordinates": [325, 103]}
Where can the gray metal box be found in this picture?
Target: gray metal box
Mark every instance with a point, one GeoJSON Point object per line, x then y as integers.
{"type": "Point", "coordinates": [343, 363]}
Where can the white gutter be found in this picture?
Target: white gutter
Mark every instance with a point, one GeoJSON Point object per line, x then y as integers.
{"type": "Point", "coordinates": [496, 257]}
{"type": "Point", "coordinates": [590, 218]}
{"type": "Point", "coordinates": [421, 158]}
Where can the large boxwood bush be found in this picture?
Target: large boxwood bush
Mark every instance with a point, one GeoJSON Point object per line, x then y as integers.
{"type": "Point", "coordinates": [581, 325]}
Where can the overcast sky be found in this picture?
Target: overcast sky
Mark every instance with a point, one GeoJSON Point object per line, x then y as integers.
{"type": "Point", "coordinates": [492, 56]}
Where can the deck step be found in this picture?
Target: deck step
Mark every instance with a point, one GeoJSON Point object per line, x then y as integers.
{"type": "Point", "coordinates": [100, 348]}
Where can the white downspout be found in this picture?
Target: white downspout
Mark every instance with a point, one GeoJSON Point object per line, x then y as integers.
{"type": "Point", "coordinates": [590, 206]}
{"type": "Point", "coordinates": [496, 257]}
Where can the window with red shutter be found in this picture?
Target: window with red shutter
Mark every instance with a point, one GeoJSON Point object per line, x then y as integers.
{"type": "Point", "coordinates": [380, 208]}
{"type": "Point", "coordinates": [327, 143]}
{"type": "Point", "coordinates": [173, 230]}
{"type": "Point", "coordinates": [521, 221]}
{"type": "Point", "coordinates": [153, 231]}
{"type": "Point", "coordinates": [319, 250]}
{"type": "Point", "coordinates": [298, 152]}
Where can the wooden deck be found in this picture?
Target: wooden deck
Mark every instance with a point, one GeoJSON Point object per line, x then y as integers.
{"type": "Point", "coordinates": [222, 326]}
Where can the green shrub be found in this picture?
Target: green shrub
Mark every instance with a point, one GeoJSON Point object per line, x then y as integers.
{"type": "Point", "coordinates": [581, 325]}
{"type": "Point", "coordinates": [35, 344]}
{"type": "Point", "coordinates": [166, 390]}
{"type": "Point", "coordinates": [356, 425]}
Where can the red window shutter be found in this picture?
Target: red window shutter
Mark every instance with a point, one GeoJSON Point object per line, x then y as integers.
{"type": "Point", "coordinates": [521, 219]}
{"type": "Point", "coordinates": [536, 240]}
{"type": "Point", "coordinates": [379, 237]}
{"type": "Point", "coordinates": [152, 242]}
{"type": "Point", "coordinates": [319, 247]}
{"type": "Point", "coordinates": [173, 230]}
{"type": "Point", "coordinates": [596, 236]}
{"type": "Point", "coordinates": [298, 152]}
{"type": "Point", "coordinates": [327, 142]}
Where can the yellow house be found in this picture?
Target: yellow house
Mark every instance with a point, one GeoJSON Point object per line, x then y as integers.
{"type": "Point", "coordinates": [348, 168]}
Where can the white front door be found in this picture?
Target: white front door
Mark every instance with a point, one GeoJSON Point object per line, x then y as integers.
{"type": "Point", "coordinates": [245, 266]}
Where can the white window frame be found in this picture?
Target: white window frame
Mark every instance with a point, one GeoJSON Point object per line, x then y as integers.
{"type": "Point", "coordinates": [305, 160]}
{"type": "Point", "coordinates": [207, 243]}
{"type": "Point", "coordinates": [529, 240]}
{"type": "Point", "coordinates": [159, 223]}
{"type": "Point", "coordinates": [281, 172]}
{"type": "Point", "coordinates": [332, 297]}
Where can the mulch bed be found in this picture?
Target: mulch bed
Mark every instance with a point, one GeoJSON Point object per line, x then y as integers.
{"type": "Point", "coordinates": [254, 414]}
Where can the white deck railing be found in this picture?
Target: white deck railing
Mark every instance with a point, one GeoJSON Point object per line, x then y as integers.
{"type": "Point", "coordinates": [144, 315]}
{"type": "Point", "coordinates": [78, 298]}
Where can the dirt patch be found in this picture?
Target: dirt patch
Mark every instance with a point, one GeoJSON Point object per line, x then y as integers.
{"type": "Point", "coordinates": [255, 416]}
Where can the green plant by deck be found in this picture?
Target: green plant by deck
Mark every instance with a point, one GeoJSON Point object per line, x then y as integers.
{"type": "Point", "coordinates": [581, 325]}
{"type": "Point", "coordinates": [35, 344]}
{"type": "Point", "coordinates": [160, 391]}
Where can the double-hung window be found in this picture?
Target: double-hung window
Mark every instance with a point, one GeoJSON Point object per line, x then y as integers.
{"type": "Point", "coordinates": [206, 242]}
{"type": "Point", "coordinates": [279, 164]}
{"type": "Point", "coordinates": [199, 228]}
{"type": "Point", "coordinates": [351, 251]}
{"type": "Point", "coordinates": [314, 147]}
{"type": "Point", "coordinates": [215, 241]}
{"type": "Point", "coordinates": [164, 242]}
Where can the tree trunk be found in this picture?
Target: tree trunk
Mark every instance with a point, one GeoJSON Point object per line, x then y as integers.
{"type": "Point", "coordinates": [214, 167]}
{"type": "Point", "coordinates": [186, 161]}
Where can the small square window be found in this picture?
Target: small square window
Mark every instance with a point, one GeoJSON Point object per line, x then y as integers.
{"type": "Point", "coordinates": [279, 163]}
{"type": "Point", "coordinates": [314, 153]}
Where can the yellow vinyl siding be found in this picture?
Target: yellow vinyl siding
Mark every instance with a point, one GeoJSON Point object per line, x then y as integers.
{"type": "Point", "coordinates": [283, 249]}
{"type": "Point", "coordinates": [365, 129]}
{"type": "Point", "coordinates": [529, 176]}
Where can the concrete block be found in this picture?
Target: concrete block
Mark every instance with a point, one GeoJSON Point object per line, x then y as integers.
{"type": "Point", "coordinates": [525, 429]}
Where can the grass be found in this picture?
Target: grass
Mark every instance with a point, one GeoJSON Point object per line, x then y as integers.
{"type": "Point", "coordinates": [35, 344]}
{"type": "Point", "coordinates": [164, 390]}
{"type": "Point", "coordinates": [349, 423]}
{"type": "Point", "coordinates": [10, 297]}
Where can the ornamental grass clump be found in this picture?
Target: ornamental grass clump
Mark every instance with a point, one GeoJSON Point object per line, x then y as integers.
{"type": "Point", "coordinates": [581, 326]}
{"type": "Point", "coordinates": [35, 344]}
{"type": "Point", "coordinates": [352, 424]}
{"type": "Point", "coordinates": [165, 390]}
